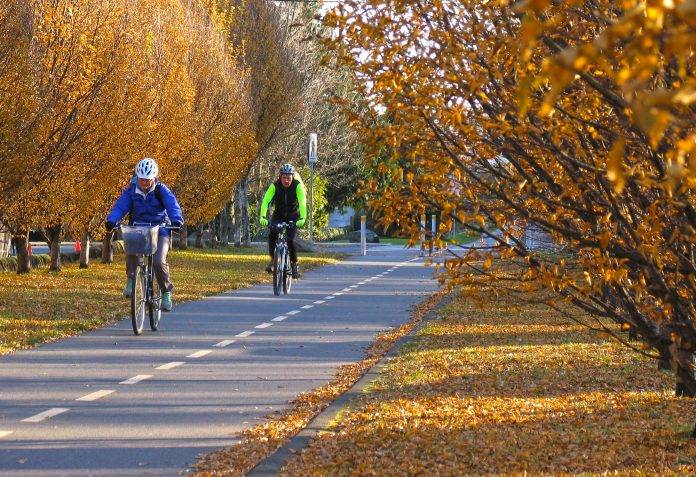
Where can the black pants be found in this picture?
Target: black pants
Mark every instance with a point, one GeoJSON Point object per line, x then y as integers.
{"type": "Point", "coordinates": [273, 235]}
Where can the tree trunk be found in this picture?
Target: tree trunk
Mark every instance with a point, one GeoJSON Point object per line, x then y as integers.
{"type": "Point", "coordinates": [241, 213]}
{"type": "Point", "coordinates": [199, 236]}
{"type": "Point", "coordinates": [684, 366]}
{"type": "Point", "coordinates": [23, 258]}
{"type": "Point", "coordinates": [183, 238]}
{"type": "Point", "coordinates": [107, 251]}
{"type": "Point", "coordinates": [84, 252]}
{"type": "Point", "coordinates": [226, 224]}
{"type": "Point", "coordinates": [5, 243]}
{"type": "Point", "coordinates": [54, 235]}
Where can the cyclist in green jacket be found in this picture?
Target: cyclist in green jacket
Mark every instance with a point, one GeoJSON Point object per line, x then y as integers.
{"type": "Point", "coordinates": [289, 198]}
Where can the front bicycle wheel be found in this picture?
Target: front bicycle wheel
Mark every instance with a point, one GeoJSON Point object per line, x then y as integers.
{"type": "Point", "coordinates": [155, 304]}
{"type": "Point", "coordinates": [278, 270]}
{"type": "Point", "coordinates": [138, 299]}
{"type": "Point", "coordinates": [287, 274]}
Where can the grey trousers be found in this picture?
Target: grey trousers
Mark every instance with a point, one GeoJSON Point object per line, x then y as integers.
{"type": "Point", "coordinates": [159, 262]}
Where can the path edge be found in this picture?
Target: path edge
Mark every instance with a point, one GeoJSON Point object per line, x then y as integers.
{"type": "Point", "coordinates": [271, 465]}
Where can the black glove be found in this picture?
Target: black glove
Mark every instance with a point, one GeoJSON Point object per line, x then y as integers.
{"type": "Point", "coordinates": [109, 226]}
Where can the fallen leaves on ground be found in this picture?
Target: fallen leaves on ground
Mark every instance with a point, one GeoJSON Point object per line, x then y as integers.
{"type": "Point", "coordinates": [503, 391]}
{"type": "Point", "coordinates": [262, 440]}
{"type": "Point", "coordinates": [43, 306]}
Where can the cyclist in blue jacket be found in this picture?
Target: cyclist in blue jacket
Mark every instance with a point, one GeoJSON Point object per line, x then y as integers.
{"type": "Point", "coordinates": [148, 201]}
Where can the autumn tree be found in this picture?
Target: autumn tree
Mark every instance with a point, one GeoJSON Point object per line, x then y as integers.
{"type": "Point", "coordinates": [575, 118]}
{"type": "Point", "coordinates": [91, 84]}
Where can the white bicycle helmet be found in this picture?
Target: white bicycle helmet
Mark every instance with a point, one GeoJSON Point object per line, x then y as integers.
{"type": "Point", "coordinates": [287, 169]}
{"type": "Point", "coordinates": [147, 169]}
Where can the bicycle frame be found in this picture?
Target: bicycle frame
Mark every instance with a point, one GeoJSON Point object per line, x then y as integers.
{"type": "Point", "coordinates": [146, 291]}
{"type": "Point", "coordinates": [282, 276]}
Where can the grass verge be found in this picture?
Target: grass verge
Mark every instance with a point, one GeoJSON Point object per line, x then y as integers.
{"type": "Point", "coordinates": [44, 306]}
{"type": "Point", "coordinates": [505, 391]}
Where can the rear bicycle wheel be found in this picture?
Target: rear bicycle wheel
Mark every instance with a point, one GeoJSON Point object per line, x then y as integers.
{"type": "Point", "coordinates": [277, 270]}
{"type": "Point", "coordinates": [155, 304]}
{"type": "Point", "coordinates": [138, 299]}
{"type": "Point", "coordinates": [287, 274]}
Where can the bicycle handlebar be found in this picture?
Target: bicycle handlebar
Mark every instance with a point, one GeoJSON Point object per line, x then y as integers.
{"type": "Point", "coordinates": [147, 224]}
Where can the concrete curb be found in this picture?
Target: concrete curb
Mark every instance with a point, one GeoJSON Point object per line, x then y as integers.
{"type": "Point", "coordinates": [272, 464]}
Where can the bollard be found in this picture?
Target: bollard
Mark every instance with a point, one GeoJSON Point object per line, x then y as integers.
{"type": "Point", "coordinates": [433, 232]}
{"type": "Point", "coordinates": [422, 235]}
{"type": "Point", "coordinates": [363, 235]}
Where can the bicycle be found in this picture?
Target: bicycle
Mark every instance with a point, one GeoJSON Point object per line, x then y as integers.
{"type": "Point", "coordinates": [141, 240]}
{"type": "Point", "coordinates": [282, 274]}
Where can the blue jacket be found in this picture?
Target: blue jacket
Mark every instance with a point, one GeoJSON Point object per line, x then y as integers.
{"type": "Point", "coordinates": [147, 208]}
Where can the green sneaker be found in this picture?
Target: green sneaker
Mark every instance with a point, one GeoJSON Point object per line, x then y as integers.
{"type": "Point", "coordinates": [167, 301]}
{"type": "Point", "coordinates": [127, 290]}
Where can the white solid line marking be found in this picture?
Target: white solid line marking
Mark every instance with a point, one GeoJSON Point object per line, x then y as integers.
{"type": "Point", "coordinates": [307, 307]}
{"type": "Point", "coordinates": [338, 294]}
{"type": "Point", "coordinates": [293, 312]}
{"type": "Point", "coordinates": [200, 354]}
{"type": "Point", "coordinates": [263, 325]}
{"type": "Point", "coordinates": [280, 318]}
{"type": "Point", "coordinates": [330, 297]}
{"type": "Point", "coordinates": [224, 343]}
{"type": "Point", "coordinates": [42, 416]}
{"type": "Point", "coordinates": [244, 334]}
{"type": "Point", "coordinates": [95, 395]}
{"type": "Point", "coordinates": [5, 433]}
{"type": "Point", "coordinates": [319, 302]}
{"type": "Point", "coordinates": [136, 379]}
{"type": "Point", "coordinates": [171, 365]}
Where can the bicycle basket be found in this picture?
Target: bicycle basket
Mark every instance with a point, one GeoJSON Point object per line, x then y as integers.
{"type": "Point", "coordinates": [140, 240]}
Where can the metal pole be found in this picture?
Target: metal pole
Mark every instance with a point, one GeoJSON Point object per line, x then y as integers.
{"type": "Point", "coordinates": [363, 235]}
{"type": "Point", "coordinates": [311, 202]}
{"type": "Point", "coordinates": [422, 235]}
{"type": "Point", "coordinates": [433, 230]}
{"type": "Point", "coordinates": [312, 159]}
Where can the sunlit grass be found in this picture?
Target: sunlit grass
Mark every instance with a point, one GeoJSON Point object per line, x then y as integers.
{"type": "Point", "coordinates": [497, 391]}
{"type": "Point", "coordinates": [44, 306]}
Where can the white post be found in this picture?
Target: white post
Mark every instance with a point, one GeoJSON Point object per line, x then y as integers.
{"type": "Point", "coordinates": [363, 235]}
{"type": "Point", "coordinates": [312, 159]}
{"type": "Point", "coordinates": [433, 231]}
{"type": "Point", "coordinates": [422, 235]}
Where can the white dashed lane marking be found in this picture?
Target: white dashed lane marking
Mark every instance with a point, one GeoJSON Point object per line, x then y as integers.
{"type": "Point", "coordinates": [171, 365]}
{"type": "Point", "coordinates": [95, 395]}
{"type": "Point", "coordinates": [330, 297]}
{"type": "Point", "coordinates": [200, 354]}
{"type": "Point", "coordinates": [293, 312]}
{"type": "Point", "coordinates": [353, 286]}
{"type": "Point", "coordinates": [346, 289]}
{"type": "Point", "coordinates": [263, 325]}
{"type": "Point", "coordinates": [5, 433]}
{"type": "Point", "coordinates": [307, 307]}
{"type": "Point", "coordinates": [338, 293]}
{"type": "Point", "coordinates": [136, 379]}
{"type": "Point", "coordinates": [224, 343]}
{"type": "Point", "coordinates": [280, 318]}
{"type": "Point", "coordinates": [244, 334]}
{"type": "Point", "coordinates": [42, 416]}
{"type": "Point", "coordinates": [319, 302]}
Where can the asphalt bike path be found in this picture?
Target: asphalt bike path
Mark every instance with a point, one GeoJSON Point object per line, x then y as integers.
{"type": "Point", "coordinates": [111, 403]}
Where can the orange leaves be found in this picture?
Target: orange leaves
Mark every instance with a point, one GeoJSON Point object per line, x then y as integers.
{"type": "Point", "coordinates": [109, 82]}
{"type": "Point", "coordinates": [504, 391]}
{"type": "Point", "coordinates": [615, 168]}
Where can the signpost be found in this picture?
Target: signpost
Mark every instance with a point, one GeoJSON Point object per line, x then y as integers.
{"type": "Point", "coordinates": [312, 159]}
